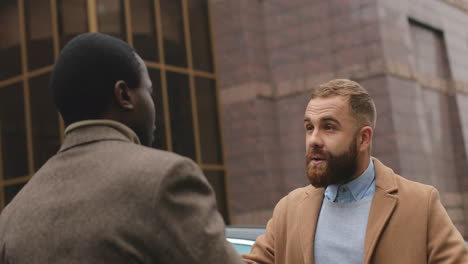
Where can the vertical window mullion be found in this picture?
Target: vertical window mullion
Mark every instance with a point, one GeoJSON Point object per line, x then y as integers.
{"type": "Point", "coordinates": [188, 46]}
{"type": "Point", "coordinates": [2, 178]}
{"type": "Point", "coordinates": [56, 40]}
{"type": "Point", "coordinates": [128, 22]}
{"type": "Point", "coordinates": [165, 99]}
{"type": "Point", "coordinates": [24, 67]}
{"type": "Point", "coordinates": [220, 117]}
{"type": "Point", "coordinates": [92, 16]}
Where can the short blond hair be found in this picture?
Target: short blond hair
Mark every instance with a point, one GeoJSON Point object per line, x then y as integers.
{"type": "Point", "coordinates": [361, 104]}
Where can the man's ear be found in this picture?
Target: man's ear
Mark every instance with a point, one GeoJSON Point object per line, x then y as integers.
{"type": "Point", "coordinates": [123, 95]}
{"type": "Point", "coordinates": [365, 138]}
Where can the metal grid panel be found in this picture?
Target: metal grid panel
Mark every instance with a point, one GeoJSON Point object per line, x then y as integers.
{"type": "Point", "coordinates": [163, 68]}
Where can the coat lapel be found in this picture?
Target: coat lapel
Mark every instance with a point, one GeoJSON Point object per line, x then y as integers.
{"type": "Point", "coordinates": [309, 211]}
{"type": "Point", "coordinates": [383, 205]}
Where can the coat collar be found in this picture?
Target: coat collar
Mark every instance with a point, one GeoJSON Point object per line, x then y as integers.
{"type": "Point", "coordinates": [309, 209]}
{"type": "Point", "coordinates": [88, 131]}
{"type": "Point", "coordinates": [383, 204]}
{"type": "Point", "coordinates": [385, 177]}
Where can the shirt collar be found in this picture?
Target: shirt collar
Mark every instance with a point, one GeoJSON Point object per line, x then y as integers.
{"type": "Point", "coordinates": [104, 122]}
{"type": "Point", "coordinates": [357, 187]}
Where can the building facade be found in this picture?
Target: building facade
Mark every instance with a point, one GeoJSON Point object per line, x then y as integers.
{"type": "Point", "coordinates": [235, 77]}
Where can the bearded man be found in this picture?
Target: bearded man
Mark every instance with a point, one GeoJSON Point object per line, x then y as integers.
{"type": "Point", "coordinates": [356, 210]}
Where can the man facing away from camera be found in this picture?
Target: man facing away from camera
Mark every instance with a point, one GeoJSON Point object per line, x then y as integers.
{"type": "Point", "coordinates": [355, 210]}
{"type": "Point", "coordinates": [106, 197]}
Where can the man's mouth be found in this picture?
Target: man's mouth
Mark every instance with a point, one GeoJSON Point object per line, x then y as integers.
{"type": "Point", "coordinates": [317, 160]}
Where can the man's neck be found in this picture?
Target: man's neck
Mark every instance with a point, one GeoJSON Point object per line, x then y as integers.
{"type": "Point", "coordinates": [362, 164]}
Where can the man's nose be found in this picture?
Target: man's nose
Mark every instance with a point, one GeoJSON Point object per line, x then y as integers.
{"type": "Point", "coordinates": [314, 140]}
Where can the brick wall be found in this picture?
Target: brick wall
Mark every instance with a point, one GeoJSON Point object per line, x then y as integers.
{"type": "Point", "coordinates": [249, 120]}
{"type": "Point", "coordinates": [427, 90]}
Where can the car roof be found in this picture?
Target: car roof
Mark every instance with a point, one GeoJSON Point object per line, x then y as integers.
{"type": "Point", "coordinates": [244, 232]}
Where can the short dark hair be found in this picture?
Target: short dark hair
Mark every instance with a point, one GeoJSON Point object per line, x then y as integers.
{"type": "Point", "coordinates": [86, 72]}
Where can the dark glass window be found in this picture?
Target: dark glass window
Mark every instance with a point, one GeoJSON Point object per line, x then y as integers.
{"type": "Point", "coordinates": [10, 52]}
{"type": "Point", "coordinates": [13, 132]}
{"type": "Point", "coordinates": [216, 179]}
{"type": "Point", "coordinates": [173, 33]}
{"type": "Point", "coordinates": [144, 32]}
{"type": "Point", "coordinates": [200, 35]}
{"type": "Point", "coordinates": [160, 133]}
{"type": "Point", "coordinates": [45, 122]}
{"type": "Point", "coordinates": [73, 19]}
{"type": "Point", "coordinates": [111, 18]}
{"type": "Point", "coordinates": [11, 191]}
{"type": "Point", "coordinates": [208, 121]}
{"type": "Point", "coordinates": [180, 109]}
{"type": "Point", "coordinates": [39, 34]}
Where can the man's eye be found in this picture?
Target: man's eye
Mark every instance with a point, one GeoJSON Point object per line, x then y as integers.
{"type": "Point", "coordinates": [329, 127]}
{"type": "Point", "coordinates": [309, 127]}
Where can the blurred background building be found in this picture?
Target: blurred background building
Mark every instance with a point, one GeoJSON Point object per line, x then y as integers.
{"type": "Point", "coordinates": [232, 79]}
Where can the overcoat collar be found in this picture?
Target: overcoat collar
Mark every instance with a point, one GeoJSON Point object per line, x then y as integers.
{"type": "Point", "coordinates": [88, 131]}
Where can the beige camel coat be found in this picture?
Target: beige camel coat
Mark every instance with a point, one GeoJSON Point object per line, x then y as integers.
{"type": "Point", "coordinates": [407, 225]}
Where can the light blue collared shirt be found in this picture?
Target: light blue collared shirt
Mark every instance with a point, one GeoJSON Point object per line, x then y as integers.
{"type": "Point", "coordinates": [355, 190]}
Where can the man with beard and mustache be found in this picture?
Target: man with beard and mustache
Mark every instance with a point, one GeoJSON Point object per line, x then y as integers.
{"type": "Point", "coordinates": [356, 210]}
